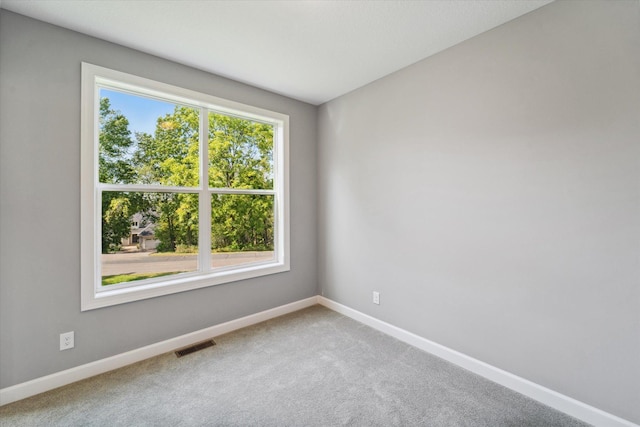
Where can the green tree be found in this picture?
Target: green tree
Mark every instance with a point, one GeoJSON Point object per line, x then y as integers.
{"type": "Point", "coordinates": [240, 156]}
{"type": "Point", "coordinates": [240, 153]}
{"type": "Point", "coordinates": [242, 222]}
{"type": "Point", "coordinates": [114, 167]}
{"type": "Point", "coordinates": [116, 219]}
{"type": "Point", "coordinates": [171, 157]}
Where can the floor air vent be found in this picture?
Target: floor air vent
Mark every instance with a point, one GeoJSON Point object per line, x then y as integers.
{"type": "Point", "coordinates": [194, 348]}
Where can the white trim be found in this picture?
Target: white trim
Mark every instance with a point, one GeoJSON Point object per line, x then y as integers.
{"type": "Point", "coordinates": [551, 398]}
{"type": "Point", "coordinates": [204, 201]}
{"type": "Point", "coordinates": [59, 379]}
{"type": "Point", "coordinates": [120, 81]}
{"type": "Point", "coordinates": [93, 295]}
{"type": "Point", "coordinates": [152, 188]}
{"type": "Point", "coordinates": [180, 283]}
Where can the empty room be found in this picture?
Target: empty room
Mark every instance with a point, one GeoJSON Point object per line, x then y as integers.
{"type": "Point", "coordinates": [320, 213]}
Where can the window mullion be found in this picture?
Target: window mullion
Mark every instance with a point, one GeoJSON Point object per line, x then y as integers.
{"type": "Point", "coordinates": [204, 199]}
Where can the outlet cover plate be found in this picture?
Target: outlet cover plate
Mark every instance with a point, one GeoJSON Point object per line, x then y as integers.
{"type": "Point", "coordinates": [67, 340]}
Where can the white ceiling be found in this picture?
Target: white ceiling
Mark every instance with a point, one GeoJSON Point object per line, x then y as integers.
{"type": "Point", "coordinates": [309, 50]}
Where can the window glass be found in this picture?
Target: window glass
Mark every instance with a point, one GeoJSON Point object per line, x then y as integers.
{"type": "Point", "coordinates": [240, 153]}
{"type": "Point", "coordinates": [147, 141]}
{"type": "Point", "coordinates": [242, 229]}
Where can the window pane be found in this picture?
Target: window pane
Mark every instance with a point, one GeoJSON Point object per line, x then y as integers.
{"type": "Point", "coordinates": [146, 141]}
{"type": "Point", "coordinates": [242, 229]}
{"type": "Point", "coordinates": [240, 153]}
{"type": "Point", "coordinates": [147, 235]}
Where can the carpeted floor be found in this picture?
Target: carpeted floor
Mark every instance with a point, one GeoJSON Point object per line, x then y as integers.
{"type": "Point", "coordinates": [310, 368]}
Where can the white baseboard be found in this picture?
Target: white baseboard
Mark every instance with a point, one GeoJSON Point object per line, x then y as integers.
{"type": "Point", "coordinates": [558, 401]}
{"type": "Point", "coordinates": [59, 379]}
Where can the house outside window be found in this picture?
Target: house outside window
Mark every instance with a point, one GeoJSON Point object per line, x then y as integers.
{"type": "Point", "coordinates": [180, 190]}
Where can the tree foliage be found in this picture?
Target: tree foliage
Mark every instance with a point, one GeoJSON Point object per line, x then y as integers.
{"type": "Point", "coordinates": [115, 142]}
{"type": "Point", "coordinates": [240, 156]}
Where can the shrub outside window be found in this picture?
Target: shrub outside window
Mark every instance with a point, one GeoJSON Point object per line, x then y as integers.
{"type": "Point", "coordinates": [180, 190]}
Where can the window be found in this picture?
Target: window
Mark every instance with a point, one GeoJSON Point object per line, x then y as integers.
{"type": "Point", "coordinates": [180, 190]}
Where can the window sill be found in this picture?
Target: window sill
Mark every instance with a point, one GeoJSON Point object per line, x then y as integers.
{"type": "Point", "coordinates": [106, 298]}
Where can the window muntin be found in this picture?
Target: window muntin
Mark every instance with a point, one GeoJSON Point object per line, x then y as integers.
{"type": "Point", "coordinates": [154, 179]}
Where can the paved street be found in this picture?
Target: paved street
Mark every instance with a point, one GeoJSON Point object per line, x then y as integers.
{"type": "Point", "coordinates": [145, 262]}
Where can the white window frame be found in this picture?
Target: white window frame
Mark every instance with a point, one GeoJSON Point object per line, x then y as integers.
{"type": "Point", "coordinates": [93, 295]}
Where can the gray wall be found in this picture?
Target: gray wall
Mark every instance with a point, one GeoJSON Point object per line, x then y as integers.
{"type": "Point", "coordinates": [40, 208]}
{"type": "Point", "coordinates": [491, 193]}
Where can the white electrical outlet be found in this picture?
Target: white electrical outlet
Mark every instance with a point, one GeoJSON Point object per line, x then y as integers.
{"type": "Point", "coordinates": [66, 341]}
{"type": "Point", "coordinates": [376, 297]}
